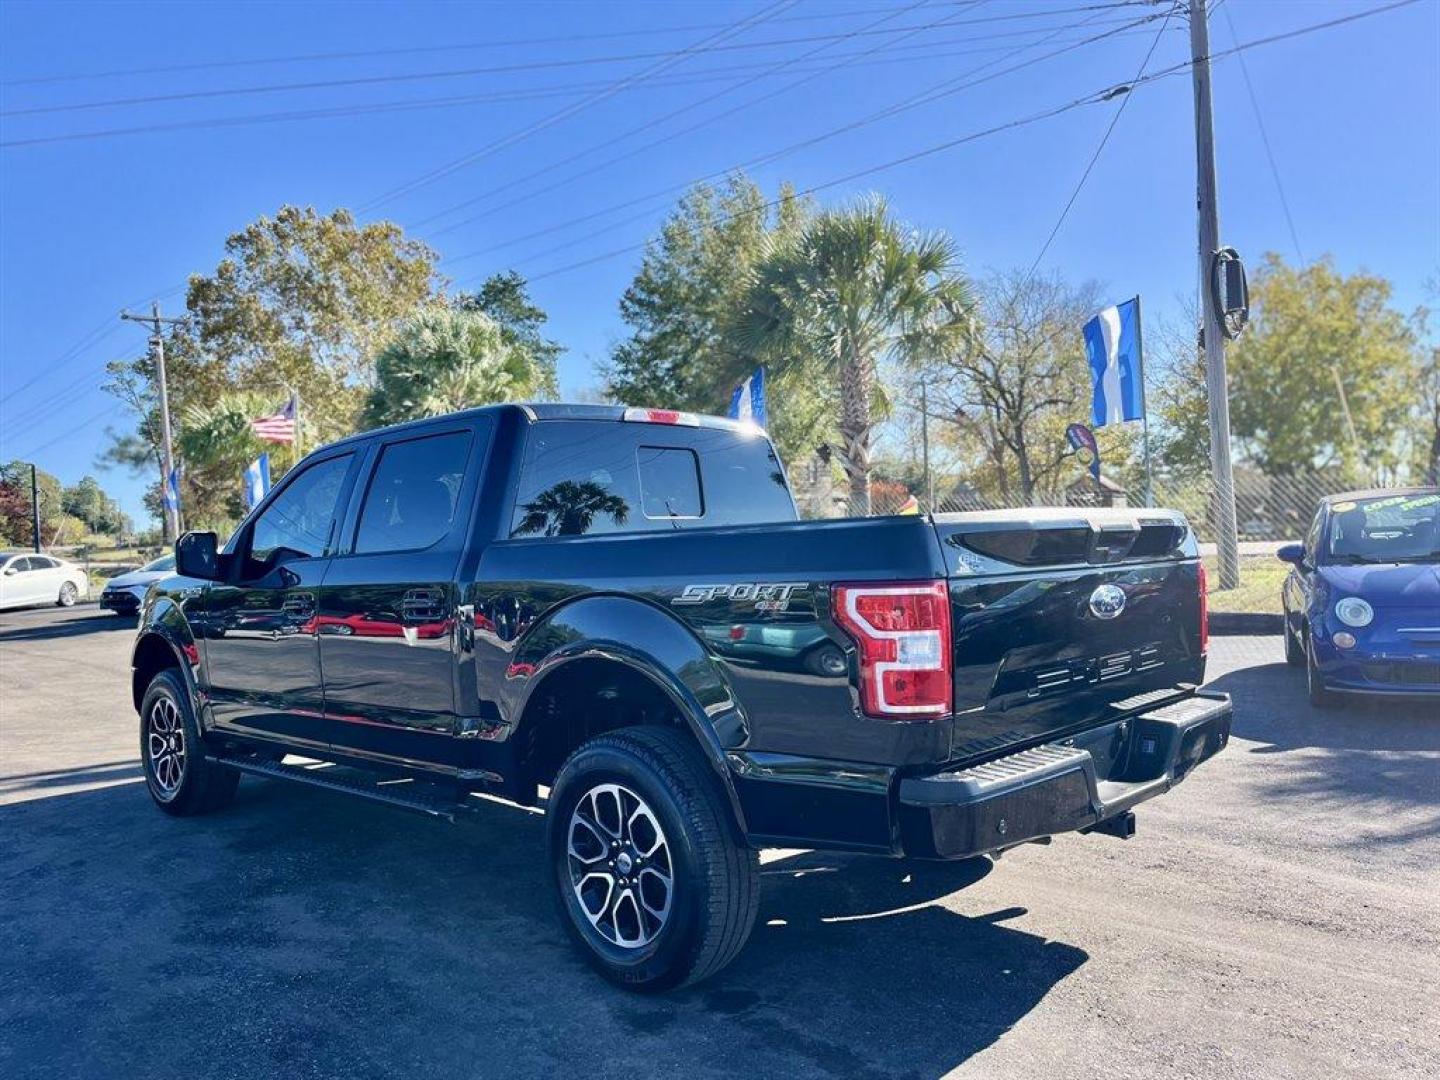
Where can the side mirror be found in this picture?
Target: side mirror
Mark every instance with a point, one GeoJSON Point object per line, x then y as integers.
{"type": "Point", "coordinates": [197, 555]}
{"type": "Point", "coordinates": [1291, 553]}
{"type": "Point", "coordinates": [11, 571]}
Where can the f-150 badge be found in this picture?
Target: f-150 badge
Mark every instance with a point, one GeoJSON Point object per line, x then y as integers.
{"type": "Point", "coordinates": [771, 596]}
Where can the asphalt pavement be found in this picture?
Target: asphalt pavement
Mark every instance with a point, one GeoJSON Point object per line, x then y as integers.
{"type": "Point", "coordinates": [1277, 915]}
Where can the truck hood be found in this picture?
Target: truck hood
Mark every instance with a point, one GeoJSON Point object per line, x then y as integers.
{"type": "Point", "coordinates": [1391, 585]}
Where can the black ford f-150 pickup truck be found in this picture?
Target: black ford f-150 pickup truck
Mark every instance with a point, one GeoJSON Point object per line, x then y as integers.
{"type": "Point", "coordinates": [619, 606]}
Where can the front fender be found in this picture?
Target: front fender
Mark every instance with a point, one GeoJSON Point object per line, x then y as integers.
{"type": "Point", "coordinates": [163, 625]}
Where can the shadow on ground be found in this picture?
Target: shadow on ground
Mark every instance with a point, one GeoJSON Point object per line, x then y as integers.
{"type": "Point", "coordinates": [308, 934]}
{"type": "Point", "coordinates": [1375, 756]}
{"type": "Point", "coordinates": [80, 622]}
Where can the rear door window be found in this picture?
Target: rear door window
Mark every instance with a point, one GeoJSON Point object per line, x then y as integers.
{"type": "Point", "coordinates": [413, 497]}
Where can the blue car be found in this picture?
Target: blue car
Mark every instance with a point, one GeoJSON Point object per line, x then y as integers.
{"type": "Point", "coordinates": [1362, 602]}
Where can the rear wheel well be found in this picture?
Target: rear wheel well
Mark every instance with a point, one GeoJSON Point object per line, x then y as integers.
{"type": "Point", "coordinates": [586, 698]}
{"type": "Point", "coordinates": [152, 656]}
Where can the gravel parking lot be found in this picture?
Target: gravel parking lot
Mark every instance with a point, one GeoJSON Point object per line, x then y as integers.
{"type": "Point", "coordinates": [1276, 916]}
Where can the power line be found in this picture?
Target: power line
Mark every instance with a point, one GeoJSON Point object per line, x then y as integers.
{"type": "Point", "coordinates": [1109, 130]}
{"type": "Point", "coordinates": [422, 77]}
{"type": "Point", "coordinates": [946, 88]}
{"type": "Point", "coordinates": [502, 69]}
{"type": "Point", "coordinates": [415, 50]}
{"type": "Point", "coordinates": [1265, 139]}
{"type": "Point", "coordinates": [660, 120]}
{"type": "Point", "coordinates": [102, 414]}
{"type": "Point", "coordinates": [91, 337]}
{"type": "Point", "coordinates": [1051, 33]}
{"type": "Point", "coordinates": [89, 341]}
{"type": "Point", "coordinates": [950, 144]}
{"type": "Point", "coordinates": [714, 41]}
{"type": "Point", "coordinates": [918, 52]}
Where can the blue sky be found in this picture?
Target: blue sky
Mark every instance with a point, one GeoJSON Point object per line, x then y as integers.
{"type": "Point", "coordinates": [88, 225]}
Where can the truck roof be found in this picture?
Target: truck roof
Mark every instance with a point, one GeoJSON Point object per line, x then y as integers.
{"type": "Point", "coordinates": [537, 411]}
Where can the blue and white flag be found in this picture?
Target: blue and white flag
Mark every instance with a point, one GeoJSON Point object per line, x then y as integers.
{"type": "Point", "coordinates": [257, 480]}
{"type": "Point", "coordinates": [1112, 341]}
{"type": "Point", "coordinates": [748, 401]}
{"type": "Point", "coordinates": [170, 490]}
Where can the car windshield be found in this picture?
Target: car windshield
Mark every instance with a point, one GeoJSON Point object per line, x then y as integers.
{"type": "Point", "coordinates": [1385, 529]}
{"type": "Point", "coordinates": [163, 565]}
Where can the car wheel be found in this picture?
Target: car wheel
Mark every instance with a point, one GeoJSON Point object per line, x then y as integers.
{"type": "Point", "coordinates": [827, 660]}
{"type": "Point", "coordinates": [1320, 697]}
{"type": "Point", "coordinates": [654, 883]}
{"type": "Point", "coordinates": [181, 778]}
{"type": "Point", "coordinates": [68, 595]}
{"type": "Point", "coordinates": [1294, 651]}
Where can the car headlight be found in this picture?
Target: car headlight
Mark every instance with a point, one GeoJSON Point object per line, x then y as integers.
{"type": "Point", "coordinates": [1353, 611]}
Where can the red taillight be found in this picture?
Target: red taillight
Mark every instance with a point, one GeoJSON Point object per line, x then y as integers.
{"type": "Point", "coordinates": [903, 633]}
{"type": "Point", "coordinates": [1204, 612]}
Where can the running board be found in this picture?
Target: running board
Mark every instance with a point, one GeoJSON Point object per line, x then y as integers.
{"type": "Point", "coordinates": [332, 778]}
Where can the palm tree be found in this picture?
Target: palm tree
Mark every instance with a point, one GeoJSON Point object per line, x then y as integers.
{"type": "Point", "coordinates": [444, 360]}
{"type": "Point", "coordinates": [854, 288]}
{"type": "Point", "coordinates": [569, 508]}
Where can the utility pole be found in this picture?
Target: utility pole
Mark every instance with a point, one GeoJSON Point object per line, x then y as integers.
{"type": "Point", "coordinates": [925, 446]}
{"type": "Point", "coordinates": [155, 321]}
{"type": "Point", "coordinates": [1223, 500]}
{"type": "Point", "coordinates": [35, 505]}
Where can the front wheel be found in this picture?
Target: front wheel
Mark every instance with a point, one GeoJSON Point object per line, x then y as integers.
{"type": "Point", "coordinates": [1320, 696]}
{"type": "Point", "coordinates": [68, 595]}
{"type": "Point", "coordinates": [1294, 651]}
{"type": "Point", "coordinates": [654, 884]}
{"type": "Point", "coordinates": [179, 776]}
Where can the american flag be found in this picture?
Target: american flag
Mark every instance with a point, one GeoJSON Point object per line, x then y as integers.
{"type": "Point", "coordinates": [279, 426]}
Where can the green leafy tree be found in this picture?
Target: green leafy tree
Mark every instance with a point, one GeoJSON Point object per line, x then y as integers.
{"type": "Point", "coordinates": [683, 303]}
{"type": "Point", "coordinates": [304, 301]}
{"type": "Point", "coordinates": [506, 299]}
{"type": "Point", "coordinates": [1313, 328]}
{"type": "Point", "coordinates": [854, 287]}
{"type": "Point", "coordinates": [301, 301]}
{"type": "Point", "coordinates": [443, 360]}
{"type": "Point", "coordinates": [216, 443]}
{"type": "Point", "coordinates": [88, 502]}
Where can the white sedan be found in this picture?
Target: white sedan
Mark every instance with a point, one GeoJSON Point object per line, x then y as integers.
{"type": "Point", "coordinates": [28, 578]}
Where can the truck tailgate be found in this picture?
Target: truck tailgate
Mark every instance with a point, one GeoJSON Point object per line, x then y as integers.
{"type": "Point", "coordinates": [1062, 617]}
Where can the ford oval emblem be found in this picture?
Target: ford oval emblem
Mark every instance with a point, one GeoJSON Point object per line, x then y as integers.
{"type": "Point", "coordinates": [1107, 601]}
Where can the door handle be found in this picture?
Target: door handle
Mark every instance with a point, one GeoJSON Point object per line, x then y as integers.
{"type": "Point", "coordinates": [423, 605]}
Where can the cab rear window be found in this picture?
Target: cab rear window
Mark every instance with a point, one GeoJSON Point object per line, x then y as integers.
{"type": "Point", "coordinates": [581, 478]}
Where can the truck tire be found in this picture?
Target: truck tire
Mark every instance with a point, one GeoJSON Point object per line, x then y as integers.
{"type": "Point", "coordinates": [179, 776]}
{"type": "Point", "coordinates": [653, 880]}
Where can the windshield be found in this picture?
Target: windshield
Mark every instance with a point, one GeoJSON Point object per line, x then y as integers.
{"type": "Point", "coordinates": [162, 565]}
{"type": "Point", "coordinates": [1385, 529]}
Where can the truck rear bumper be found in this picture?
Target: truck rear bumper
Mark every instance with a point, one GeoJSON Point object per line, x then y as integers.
{"type": "Point", "coordinates": [1065, 786]}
